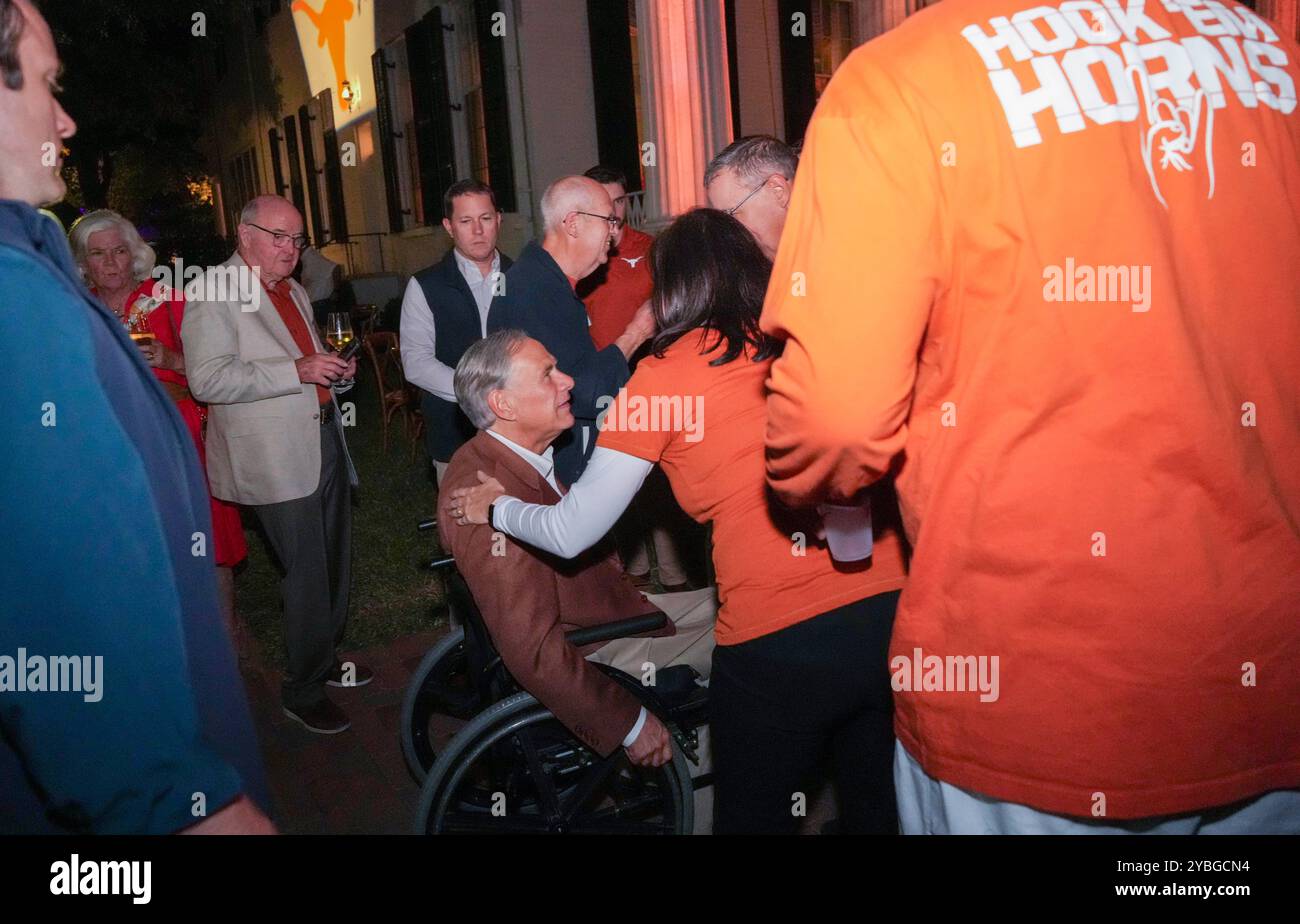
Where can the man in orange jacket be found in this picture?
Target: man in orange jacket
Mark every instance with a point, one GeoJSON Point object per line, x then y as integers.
{"type": "Point", "coordinates": [1042, 260]}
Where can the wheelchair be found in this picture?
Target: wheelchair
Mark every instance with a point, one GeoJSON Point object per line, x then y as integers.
{"type": "Point", "coordinates": [493, 760]}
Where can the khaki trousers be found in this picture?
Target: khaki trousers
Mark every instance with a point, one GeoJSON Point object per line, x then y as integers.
{"type": "Point", "coordinates": [693, 613]}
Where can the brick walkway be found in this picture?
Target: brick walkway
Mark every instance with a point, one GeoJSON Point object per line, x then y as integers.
{"type": "Point", "coordinates": [351, 783]}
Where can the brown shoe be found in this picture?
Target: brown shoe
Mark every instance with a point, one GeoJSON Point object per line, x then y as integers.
{"type": "Point", "coordinates": [323, 718]}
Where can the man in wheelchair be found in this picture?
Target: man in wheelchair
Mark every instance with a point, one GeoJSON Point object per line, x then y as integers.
{"type": "Point", "coordinates": [509, 387]}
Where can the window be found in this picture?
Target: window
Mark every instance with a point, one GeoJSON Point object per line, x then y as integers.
{"type": "Point", "coordinates": [488, 109]}
{"type": "Point", "coordinates": [396, 125]}
{"type": "Point", "coordinates": [434, 148]}
{"type": "Point", "coordinates": [413, 100]}
{"type": "Point", "coordinates": [338, 215]}
{"type": "Point", "coordinates": [615, 80]}
{"type": "Point", "coordinates": [307, 134]}
{"type": "Point", "coordinates": [294, 157]}
{"type": "Point", "coordinates": [832, 29]}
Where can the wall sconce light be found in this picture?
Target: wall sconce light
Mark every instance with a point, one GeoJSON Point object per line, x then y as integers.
{"type": "Point", "coordinates": [350, 95]}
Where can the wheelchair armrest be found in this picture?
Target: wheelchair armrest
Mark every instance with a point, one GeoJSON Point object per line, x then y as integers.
{"type": "Point", "coordinates": [425, 525]}
{"type": "Point", "coordinates": [622, 628]}
{"type": "Point", "coordinates": [439, 563]}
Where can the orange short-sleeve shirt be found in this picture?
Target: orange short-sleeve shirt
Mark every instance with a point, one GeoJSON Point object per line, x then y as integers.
{"type": "Point", "coordinates": [704, 425]}
{"type": "Point", "coordinates": [1051, 265]}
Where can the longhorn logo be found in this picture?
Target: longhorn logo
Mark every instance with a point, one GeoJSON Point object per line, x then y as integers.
{"type": "Point", "coordinates": [331, 23]}
{"type": "Point", "coordinates": [1172, 126]}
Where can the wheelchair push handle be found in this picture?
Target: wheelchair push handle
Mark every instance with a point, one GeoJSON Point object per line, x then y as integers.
{"type": "Point", "coordinates": [623, 628]}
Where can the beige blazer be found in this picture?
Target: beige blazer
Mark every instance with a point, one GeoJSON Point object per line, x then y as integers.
{"type": "Point", "coordinates": [263, 437]}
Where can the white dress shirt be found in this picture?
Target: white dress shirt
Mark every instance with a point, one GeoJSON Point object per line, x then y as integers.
{"type": "Point", "coordinates": [420, 363]}
{"type": "Point", "coordinates": [620, 475]}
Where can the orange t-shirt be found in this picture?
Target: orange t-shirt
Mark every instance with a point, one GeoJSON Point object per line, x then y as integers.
{"type": "Point", "coordinates": [616, 290]}
{"type": "Point", "coordinates": [1049, 261]}
{"type": "Point", "coordinates": [704, 425]}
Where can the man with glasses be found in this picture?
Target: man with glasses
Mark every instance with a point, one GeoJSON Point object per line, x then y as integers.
{"type": "Point", "coordinates": [751, 180]}
{"type": "Point", "coordinates": [578, 222]}
{"type": "Point", "coordinates": [612, 296]}
{"type": "Point", "coordinates": [275, 443]}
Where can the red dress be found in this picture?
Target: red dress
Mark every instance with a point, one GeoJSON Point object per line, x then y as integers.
{"type": "Point", "coordinates": [163, 320]}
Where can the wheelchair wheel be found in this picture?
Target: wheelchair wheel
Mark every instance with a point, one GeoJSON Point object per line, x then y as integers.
{"type": "Point", "coordinates": [515, 769]}
{"type": "Point", "coordinates": [440, 686]}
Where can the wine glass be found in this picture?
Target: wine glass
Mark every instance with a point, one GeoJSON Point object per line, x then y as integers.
{"type": "Point", "coordinates": [338, 330]}
{"type": "Point", "coordinates": [137, 325]}
{"type": "Point", "coordinates": [338, 334]}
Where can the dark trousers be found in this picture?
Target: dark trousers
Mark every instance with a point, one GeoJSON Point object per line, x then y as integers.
{"type": "Point", "coordinates": [783, 704]}
{"type": "Point", "coordinates": [312, 537]}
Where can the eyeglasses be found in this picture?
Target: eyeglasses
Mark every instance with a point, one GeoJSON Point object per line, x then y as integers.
{"type": "Point", "coordinates": [752, 193]}
{"type": "Point", "coordinates": [614, 221]}
{"type": "Point", "coordinates": [279, 238]}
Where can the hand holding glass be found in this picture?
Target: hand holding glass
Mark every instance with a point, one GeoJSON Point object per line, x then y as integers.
{"type": "Point", "coordinates": [338, 334]}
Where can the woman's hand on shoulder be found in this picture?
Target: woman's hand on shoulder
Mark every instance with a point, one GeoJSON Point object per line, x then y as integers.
{"type": "Point", "coordinates": [470, 505]}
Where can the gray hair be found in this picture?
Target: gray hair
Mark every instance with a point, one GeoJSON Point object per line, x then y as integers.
{"type": "Point", "coordinates": [483, 369]}
{"type": "Point", "coordinates": [11, 32]}
{"type": "Point", "coordinates": [142, 255]}
{"type": "Point", "coordinates": [565, 195]}
{"type": "Point", "coordinates": [754, 159]}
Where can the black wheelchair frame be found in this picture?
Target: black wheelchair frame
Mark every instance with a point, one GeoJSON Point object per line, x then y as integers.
{"type": "Point", "coordinates": [513, 767]}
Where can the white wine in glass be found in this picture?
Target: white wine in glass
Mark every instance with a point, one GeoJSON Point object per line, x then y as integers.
{"type": "Point", "coordinates": [338, 330]}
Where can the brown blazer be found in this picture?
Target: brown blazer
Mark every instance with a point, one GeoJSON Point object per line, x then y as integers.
{"type": "Point", "coordinates": [530, 599]}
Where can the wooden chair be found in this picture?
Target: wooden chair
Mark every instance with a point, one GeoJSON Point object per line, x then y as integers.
{"type": "Point", "coordinates": [390, 383]}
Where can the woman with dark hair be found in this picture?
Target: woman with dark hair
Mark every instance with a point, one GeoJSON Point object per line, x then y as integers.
{"type": "Point", "coordinates": [800, 672]}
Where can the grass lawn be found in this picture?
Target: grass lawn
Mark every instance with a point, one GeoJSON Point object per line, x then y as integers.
{"type": "Point", "coordinates": [391, 595]}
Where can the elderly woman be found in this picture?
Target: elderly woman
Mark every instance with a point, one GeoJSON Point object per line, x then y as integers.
{"type": "Point", "coordinates": [800, 671]}
{"type": "Point", "coordinates": [117, 266]}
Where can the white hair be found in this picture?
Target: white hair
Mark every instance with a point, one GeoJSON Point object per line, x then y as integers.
{"type": "Point", "coordinates": [565, 195]}
{"type": "Point", "coordinates": [143, 257]}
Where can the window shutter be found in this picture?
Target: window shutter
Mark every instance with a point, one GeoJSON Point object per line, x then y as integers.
{"type": "Point", "coordinates": [277, 165]}
{"type": "Point", "coordinates": [295, 165]}
{"type": "Point", "coordinates": [387, 138]}
{"type": "Point", "coordinates": [798, 75]}
{"type": "Point", "coordinates": [496, 106]}
{"type": "Point", "coordinates": [320, 233]}
{"type": "Point", "coordinates": [333, 170]}
{"type": "Point", "coordinates": [432, 107]}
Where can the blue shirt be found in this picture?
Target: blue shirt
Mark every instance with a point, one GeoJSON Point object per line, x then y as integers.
{"type": "Point", "coordinates": [105, 551]}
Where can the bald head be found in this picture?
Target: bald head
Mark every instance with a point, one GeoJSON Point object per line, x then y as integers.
{"type": "Point", "coordinates": [576, 231]}
{"type": "Point", "coordinates": [265, 209]}
{"type": "Point", "coordinates": [573, 194]}
{"type": "Point", "coordinates": [268, 228]}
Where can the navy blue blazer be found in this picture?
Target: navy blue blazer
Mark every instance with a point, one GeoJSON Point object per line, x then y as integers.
{"type": "Point", "coordinates": [107, 552]}
{"type": "Point", "coordinates": [456, 328]}
{"type": "Point", "coordinates": [539, 301]}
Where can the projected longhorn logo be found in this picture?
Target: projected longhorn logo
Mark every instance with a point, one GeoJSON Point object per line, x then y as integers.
{"type": "Point", "coordinates": [330, 25]}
